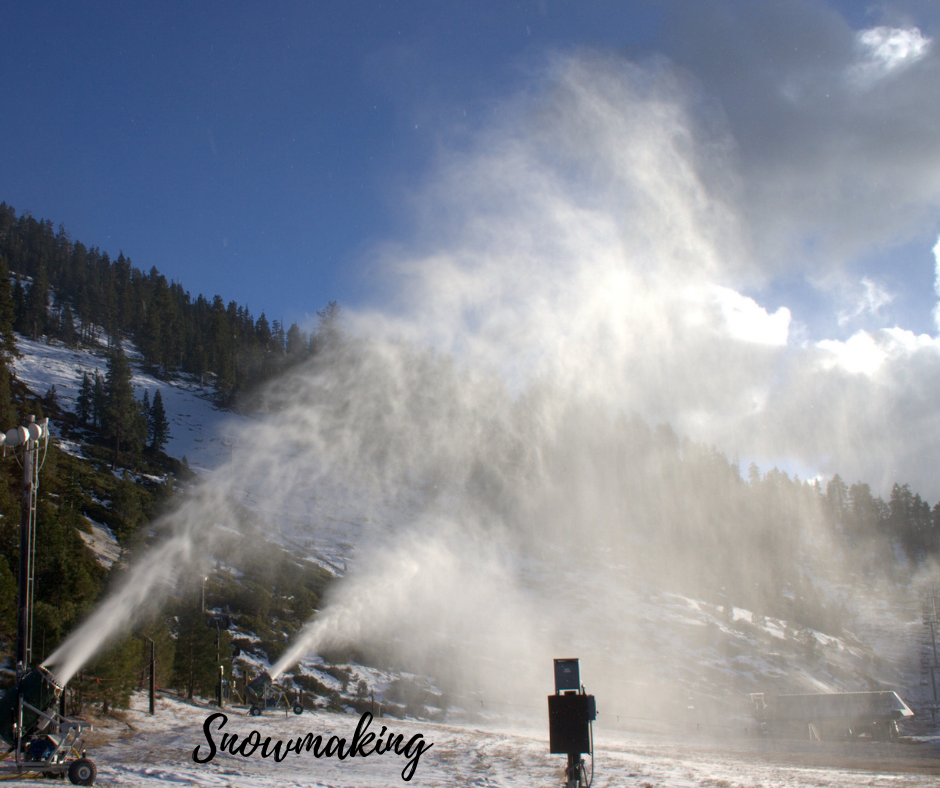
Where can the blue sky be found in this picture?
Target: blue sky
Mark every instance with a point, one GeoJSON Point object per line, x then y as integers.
{"type": "Point", "coordinates": [253, 149]}
{"type": "Point", "coordinates": [259, 151]}
{"type": "Point", "coordinates": [739, 199]}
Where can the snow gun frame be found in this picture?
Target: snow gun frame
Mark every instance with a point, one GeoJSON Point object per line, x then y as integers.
{"type": "Point", "coordinates": [43, 742]}
{"type": "Point", "coordinates": [571, 713]}
{"type": "Point", "coordinates": [264, 694]}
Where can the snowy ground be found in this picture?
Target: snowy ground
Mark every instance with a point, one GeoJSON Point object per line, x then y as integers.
{"type": "Point", "coordinates": [199, 430]}
{"type": "Point", "coordinates": [157, 751]}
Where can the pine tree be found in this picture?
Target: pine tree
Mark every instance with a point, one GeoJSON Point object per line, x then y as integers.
{"type": "Point", "coordinates": [37, 303]}
{"type": "Point", "coordinates": [20, 319]}
{"type": "Point", "coordinates": [159, 426]}
{"type": "Point", "coordinates": [99, 400]}
{"type": "Point", "coordinates": [8, 349]}
{"type": "Point", "coordinates": [297, 343]}
{"type": "Point", "coordinates": [121, 409]}
{"type": "Point", "coordinates": [67, 327]}
{"type": "Point", "coordinates": [116, 674]}
{"type": "Point", "coordinates": [7, 315]}
{"type": "Point", "coordinates": [196, 660]}
{"type": "Point", "coordinates": [328, 333]}
{"type": "Point", "coordinates": [126, 505]}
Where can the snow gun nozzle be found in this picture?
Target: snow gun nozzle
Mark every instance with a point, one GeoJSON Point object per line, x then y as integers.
{"type": "Point", "coordinates": [258, 685]}
{"type": "Point", "coordinates": [39, 690]}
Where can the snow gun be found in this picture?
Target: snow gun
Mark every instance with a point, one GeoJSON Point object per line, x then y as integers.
{"type": "Point", "coordinates": [42, 739]}
{"type": "Point", "coordinates": [257, 690]}
{"type": "Point", "coordinates": [264, 694]}
{"type": "Point", "coordinates": [39, 691]}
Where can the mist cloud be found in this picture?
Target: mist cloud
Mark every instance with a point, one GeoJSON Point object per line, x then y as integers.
{"type": "Point", "coordinates": [584, 257]}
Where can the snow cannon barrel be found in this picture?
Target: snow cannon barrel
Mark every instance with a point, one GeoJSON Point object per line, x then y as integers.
{"type": "Point", "coordinates": [40, 690]}
{"type": "Point", "coordinates": [256, 688]}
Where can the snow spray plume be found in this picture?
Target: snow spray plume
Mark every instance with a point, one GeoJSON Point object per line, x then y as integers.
{"type": "Point", "coordinates": [572, 266]}
{"type": "Point", "coordinates": [147, 583]}
{"type": "Point", "coordinates": [431, 599]}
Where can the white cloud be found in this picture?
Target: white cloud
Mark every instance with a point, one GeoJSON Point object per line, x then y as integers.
{"type": "Point", "coordinates": [865, 352]}
{"type": "Point", "coordinates": [859, 354]}
{"type": "Point", "coordinates": [749, 322]}
{"type": "Point", "coordinates": [885, 50]}
{"type": "Point", "coordinates": [870, 302]}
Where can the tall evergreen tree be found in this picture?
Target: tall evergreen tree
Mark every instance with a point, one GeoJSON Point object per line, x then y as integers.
{"type": "Point", "coordinates": [8, 349]}
{"type": "Point", "coordinates": [297, 343]}
{"type": "Point", "coordinates": [121, 409]}
{"type": "Point", "coordinates": [67, 327]}
{"type": "Point", "coordinates": [197, 655]}
{"type": "Point", "coordinates": [7, 315]}
{"type": "Point", "coordinates": [99, 399]}
{"type": "Point", "coordinates": [159, 426]}
{"type": "Point", "coordinates": [37, 303]}
{"type": "Point", "coordinates": [84, 403]}
{"type": "Point", "coordinates": [328, 332]}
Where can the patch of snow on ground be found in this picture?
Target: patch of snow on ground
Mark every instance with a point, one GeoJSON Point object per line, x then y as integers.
{"type": "Point", "coordinates": [102, 543]}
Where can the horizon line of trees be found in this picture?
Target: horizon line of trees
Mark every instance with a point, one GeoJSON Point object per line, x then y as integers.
{"type": "Point", "coordinates": [173, 331]}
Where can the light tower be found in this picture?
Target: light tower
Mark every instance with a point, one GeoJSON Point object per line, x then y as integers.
{"type": "Point", "coordinates": [27, 444]}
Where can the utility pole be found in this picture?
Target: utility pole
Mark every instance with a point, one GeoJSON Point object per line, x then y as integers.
{"type": "Point", "coordinates": [930, 619]}
{"type": "Point", "coordinates": [153, 675]}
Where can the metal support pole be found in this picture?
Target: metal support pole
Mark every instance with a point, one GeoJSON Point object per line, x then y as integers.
{"type": "Point", "coordinates": [218, 658]}
{"type": "Point", "coordinates": [153, 675]}
{"type": "Point", "coordinates": [22, 613]}
{"type": "Point", "coordinates": [933, 673]}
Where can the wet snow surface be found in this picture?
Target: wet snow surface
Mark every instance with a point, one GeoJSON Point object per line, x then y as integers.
{"type": "Point", "coordinates": [157, 751]}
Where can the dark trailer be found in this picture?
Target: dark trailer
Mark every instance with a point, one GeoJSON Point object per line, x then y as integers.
{"type": "Point", "coordinates": [833, 716]}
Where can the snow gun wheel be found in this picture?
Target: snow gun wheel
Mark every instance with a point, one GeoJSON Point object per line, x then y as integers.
{"type": "Point", "coordinates": [298, 709]}
{"type": "Point", "coordinates": [254, 711]}
{"type": "Point", "coordinates": [82, 772]}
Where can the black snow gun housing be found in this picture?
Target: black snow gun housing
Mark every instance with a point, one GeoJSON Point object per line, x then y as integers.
{"type": "Point", "coordinates": [257, 688]}
{"type": "Point", "coordinates": [44, 742]}
{"type": "Point", "coordinates": [264, 694]}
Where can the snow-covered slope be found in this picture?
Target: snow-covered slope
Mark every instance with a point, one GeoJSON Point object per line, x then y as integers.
{"type": "Point", "coordinates": [199, 430]}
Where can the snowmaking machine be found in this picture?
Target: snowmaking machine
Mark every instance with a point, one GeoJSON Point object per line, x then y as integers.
{"type": "Point", "coordinates": [263, 693]}
{"type": "Point", "coordinates": [43, 742]}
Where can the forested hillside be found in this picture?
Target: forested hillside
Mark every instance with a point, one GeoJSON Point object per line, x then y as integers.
{"type": "Point", "coordinates": [173, 330]}
{"type": "Point", "coordinates": [116, 474]}
{"type": "Point", "coordinates": [676, 495]}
